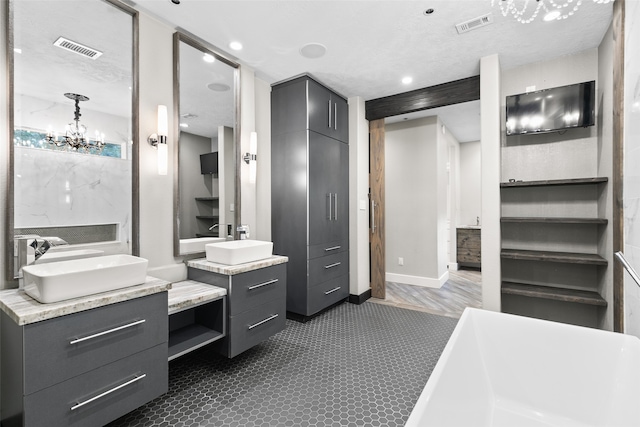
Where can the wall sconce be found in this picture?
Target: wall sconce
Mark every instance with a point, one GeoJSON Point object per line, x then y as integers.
{"type": "Point", "coordinates": [251, 157]}
{"type": "Point", "coordinates": [159, 140]}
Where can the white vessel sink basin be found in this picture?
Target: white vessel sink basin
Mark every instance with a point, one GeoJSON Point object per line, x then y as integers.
{"type": "Point", "coordinates": [63, 280]}
{"type": "Point", "coordinates": [68, 255]}
{"type": "Point", "coordinates": [197, 244]}
{"type": "Point", "coordinates": [238, 251]}
{"type": "Point", "coordinates": [504, 370]}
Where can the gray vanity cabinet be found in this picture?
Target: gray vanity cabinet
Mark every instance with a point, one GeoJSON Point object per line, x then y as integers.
{"type": "Point", "coordinates": [86, 368]}
{"type": "Point", "coordinates": [310, 193]}
{"type": "Point", "coordinates": [256, 305]}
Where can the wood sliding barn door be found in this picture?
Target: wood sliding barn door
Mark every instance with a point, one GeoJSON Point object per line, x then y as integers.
{"type": "Point", "coordinates": [376, 208]}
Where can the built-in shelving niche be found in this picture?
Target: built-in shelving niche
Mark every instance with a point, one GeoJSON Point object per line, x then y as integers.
{"type": "Point", "coordinates": [551, 234]}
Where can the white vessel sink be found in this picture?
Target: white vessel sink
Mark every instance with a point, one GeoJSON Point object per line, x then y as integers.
{"type": "Point", "coordinates": [238, 251]}
{"type": "Point", "coordinates": [63, 280]}
{"type": "Point", "coordinates": [503, 370]}
{"type": "Point", "coordinates": [52, 256]}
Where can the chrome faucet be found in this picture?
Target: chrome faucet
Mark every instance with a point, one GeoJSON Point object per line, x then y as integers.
{"type": "Point", "coordinates": [31, 247]}
{"type": "Point", "coordinates": [213, 226]}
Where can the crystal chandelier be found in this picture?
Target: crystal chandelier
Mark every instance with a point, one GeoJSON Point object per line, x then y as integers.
{"type": "Point", "coordinates": [553, 10]}
{"type": "Point", "coordinates": [74, 133]}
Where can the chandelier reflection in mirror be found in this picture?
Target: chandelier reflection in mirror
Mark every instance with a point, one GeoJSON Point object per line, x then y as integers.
{"type": "Point", "coordinates": [525, 11]}
{"type": "Point", "coordinates": [74, 136]}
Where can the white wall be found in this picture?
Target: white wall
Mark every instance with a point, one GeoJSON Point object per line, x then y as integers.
{"type": "Point", "coordinates": [470, 183]}
{"type": "Point", "coordinates": [490, 136]}
{"type": "Point", "coordinates": [263, 181]}
{"type": "Point", "coordinates": [631, 182]}
{"type": "Point", "coordinates": [415, 205]}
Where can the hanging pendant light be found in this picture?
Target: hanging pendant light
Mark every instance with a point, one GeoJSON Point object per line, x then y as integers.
{"type": "Point", "coordinates": [525, 11]}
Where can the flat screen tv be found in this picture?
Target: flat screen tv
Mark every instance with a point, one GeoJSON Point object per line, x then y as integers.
{"type": "Point", "coordinates": [551, 110]}
{"type": "Point", "coordinates": [209, 163]}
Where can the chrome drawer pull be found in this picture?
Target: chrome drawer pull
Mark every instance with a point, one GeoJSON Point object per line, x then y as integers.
{"type": "Point", "coordinates": [99, 334]}
{"type": "Point", "coordinates": [259, 285]}
{"type": "Point", "coordinates": [332, 249]}
{"type": "Point", "coordinates": [326, 267]}
{"type": "Point", "coordinates": [101, 395]}
{"type": "Point", "coordinates": [263, 321]}
{"type": "Point", "coordinates": [332, 290]}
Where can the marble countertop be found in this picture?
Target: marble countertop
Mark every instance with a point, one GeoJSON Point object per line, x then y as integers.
{"type": "Point", "coordinates": [230, 270]}
{"type": "Point", "coordinates": [190, 293]}
{"type": "Point", "coordinates": [23, 309]}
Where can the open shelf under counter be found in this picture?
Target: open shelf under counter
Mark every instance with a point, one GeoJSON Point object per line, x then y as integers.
{"type": "Point", "coordinates": [207, 199]}
{"type": "Point", "coordinates": [550, 256]}
{"type": "Point", "coordinates": [549, 220]}
{"type": "Point", "coordinates": [554, 293]}
{"type": "Point", "coordinates": [197, 316]}
{"type": "Point", "coordinates": [552, 182]}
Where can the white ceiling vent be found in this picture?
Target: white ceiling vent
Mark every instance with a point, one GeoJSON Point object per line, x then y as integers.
{"type": "Point", "coordinates": [78, 48]}
{"type": "Point", "coordinates": [474, 23]}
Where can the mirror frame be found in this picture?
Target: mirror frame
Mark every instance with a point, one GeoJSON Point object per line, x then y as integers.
{"type": "Point", "coordinates": [196, 43]}
{"type": "Point", "coordinates": [135, 130]}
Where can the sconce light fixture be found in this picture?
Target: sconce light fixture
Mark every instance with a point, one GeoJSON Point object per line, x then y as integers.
{"type": "Point", "coordinates": [159, 140]}
{"type": "Point", "coordinates": [251, 157]}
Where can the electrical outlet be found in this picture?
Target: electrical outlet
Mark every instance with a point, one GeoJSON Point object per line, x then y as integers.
{"type": "Point", "coordinates": [400, 261]}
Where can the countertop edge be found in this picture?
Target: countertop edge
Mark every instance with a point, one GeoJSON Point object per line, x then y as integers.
{"type": "Point", "coordinates": [24, 310]}
{"type": "Point", "coordinates": [230, 270]}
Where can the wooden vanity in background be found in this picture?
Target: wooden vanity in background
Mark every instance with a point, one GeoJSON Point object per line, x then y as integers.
{"type": "Point", "coordinates": [468, 246]}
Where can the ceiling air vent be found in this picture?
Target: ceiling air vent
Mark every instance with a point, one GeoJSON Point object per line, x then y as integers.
{"type": "Point", "coordinates": [78, 48]}
{"type": "Point", "coordinates": [474, 23]}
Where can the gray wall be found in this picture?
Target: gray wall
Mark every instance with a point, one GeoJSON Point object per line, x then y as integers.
{"type": "Point", "coordinates": [193, 184]}
{"type": "Point", "coordinates": [415, 180]}
{"type": "Point", "coordinates": [470, 183]}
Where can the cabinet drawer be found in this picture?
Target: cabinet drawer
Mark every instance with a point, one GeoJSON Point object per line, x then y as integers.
{"type": "Point", "coordinates": [80, 342]}
{"type": "Point", "coordinates": [327, 293]}
{"type": "Point", "coordinates": [104, 392]}
{"type": "Point", "coordinates": [323, 249]}
{"type": "Point", "coordinates": [252, 327]}
{"type": "Point", "coordinates": [249, 290]}
{"type": "Point", "coordinates": [328, 267]}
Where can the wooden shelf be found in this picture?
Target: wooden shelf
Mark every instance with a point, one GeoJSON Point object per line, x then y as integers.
{"type": "Point", "coordinates": [207, 217]}
{"type": "Point", "coordinates": [190, 338]}
{"type": "Point", "coordinates": [553, 182]}
{"type": "Point", "coordinates": [599, 221]}
{"type": "Point", "coordinates": [552, 293]}
{"type": "Point", "coordinates": [548, 256]}
{"type": "Point", "coordinates": [207, 199]}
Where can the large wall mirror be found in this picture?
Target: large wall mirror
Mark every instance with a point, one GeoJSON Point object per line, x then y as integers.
{"type": "Point", "coordinates": [206, 194]}
{"type": "Point", "coordinates": [73, 168]}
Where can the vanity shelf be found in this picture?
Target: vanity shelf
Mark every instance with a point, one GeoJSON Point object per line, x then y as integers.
{"type": "Point", "coordinates": [207, 199]}
{"type": "Point", "coordinates": [553, 182]}
{"type": "Point", "coordinates": [197, 316]}
{"type": "Point", "coordinates": [553, 293]}
{"type": "Point", "coordinates": [550, 256]}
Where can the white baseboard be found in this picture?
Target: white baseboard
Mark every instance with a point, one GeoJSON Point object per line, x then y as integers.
{"type": "Point", "coordinates": [453, 266]}
{"type": "Point", "coordinates": [426, 282]}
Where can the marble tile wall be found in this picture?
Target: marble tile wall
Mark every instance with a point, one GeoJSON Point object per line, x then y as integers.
{"type": "Point", "coordinates": [62, 188]}
{"type": "Point", "coordinates": [631, 183]}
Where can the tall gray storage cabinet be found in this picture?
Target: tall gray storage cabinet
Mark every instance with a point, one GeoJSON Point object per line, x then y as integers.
{"type": "Point", "coordinates": [310, 193]}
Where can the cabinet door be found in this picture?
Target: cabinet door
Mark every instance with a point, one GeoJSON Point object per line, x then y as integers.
{"type": "Point", "coordinates": [320, 109]}
{"type": "Point", "coordinates": [340, 118]}
{"type": "Point", "coordinates": [324, 171]}
{"type": "Point", "coordinates": [340, 229]}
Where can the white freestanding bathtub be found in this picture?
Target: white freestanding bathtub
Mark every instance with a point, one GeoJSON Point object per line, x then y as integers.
{"type": "Point", "coordinates": [504, 370]}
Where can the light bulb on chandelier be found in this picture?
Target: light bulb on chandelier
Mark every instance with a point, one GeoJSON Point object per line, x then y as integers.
{"type": "Point", "coordinates": [74, 133]}
{"type": "Point", "coordinates": [553, 10]}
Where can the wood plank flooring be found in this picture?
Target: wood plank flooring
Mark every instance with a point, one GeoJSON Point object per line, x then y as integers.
{"type": "Point", "coordinates": [463, 289]}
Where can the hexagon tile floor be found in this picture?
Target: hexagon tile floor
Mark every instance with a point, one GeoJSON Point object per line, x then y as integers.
{"type": "Point", "coordinates": [356, 365]}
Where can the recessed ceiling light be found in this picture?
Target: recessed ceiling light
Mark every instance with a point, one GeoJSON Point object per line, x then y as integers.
{"type": "Point", "coordinates": [208, 58]}
{"type": "Point", "coordinates": [313, 50]}
{"type": "Point", "coordinates": [235, 45]}
{"type": "Point", "coordinates": [184, 125]}
{"type": "Point", "coordinates": [218, 87]}
{"type": "Point", "coordinates": [407, 80]}
{"type": "Point", "coordinates": [429, 11]}
{"type": "Point", "coordinates": [17, 50]}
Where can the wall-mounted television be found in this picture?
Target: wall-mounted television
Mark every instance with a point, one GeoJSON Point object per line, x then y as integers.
{"type": "Point", "coordinates": [209, 163]}
{"type": "Point", "coordinates": [551, 110]}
